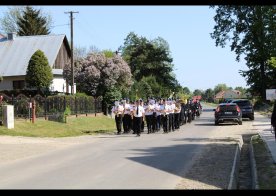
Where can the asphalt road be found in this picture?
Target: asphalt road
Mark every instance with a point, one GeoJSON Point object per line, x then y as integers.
{"type": "Point", "coordinates": [154, 161]}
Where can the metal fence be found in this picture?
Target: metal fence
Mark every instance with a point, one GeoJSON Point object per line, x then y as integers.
{"type": "Point", "coordinates": [46, 106]}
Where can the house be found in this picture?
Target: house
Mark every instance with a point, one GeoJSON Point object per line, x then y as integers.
{"type": "Point", "coordinates": [16, 51]}
{"type": "Point", "coordinates": [229, 94]}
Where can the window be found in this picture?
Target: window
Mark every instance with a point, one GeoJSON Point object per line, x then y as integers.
{"type": "Point", "coordinates": [18, 84]}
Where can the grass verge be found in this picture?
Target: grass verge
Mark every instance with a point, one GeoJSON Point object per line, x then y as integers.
{"type": "Point", "coordinates": [266, 169]}
{"type": "Point", "coordinates": [74, 127]}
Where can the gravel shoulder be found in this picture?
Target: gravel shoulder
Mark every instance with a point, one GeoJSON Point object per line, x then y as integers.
{"type": "Point", "coordinates": [17, 147]}
{"type": "Point", "coordinates": [212, 168]}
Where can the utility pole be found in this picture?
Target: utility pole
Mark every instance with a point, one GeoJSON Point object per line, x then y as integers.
{"type": "Point", "coordinates": [72, 49]}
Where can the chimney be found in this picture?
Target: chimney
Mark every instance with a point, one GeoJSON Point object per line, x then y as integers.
{"type": "Point", "coordinates": [11, 36]}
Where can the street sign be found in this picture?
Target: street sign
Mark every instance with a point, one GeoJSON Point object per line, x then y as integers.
{"type": "Point", "coordinates": [270, 94]}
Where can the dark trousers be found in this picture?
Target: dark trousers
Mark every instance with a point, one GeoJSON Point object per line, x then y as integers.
{"type": "Point", "coordinates": [127, 123]}
{"type": "Point", "coordinates": [118, 120]}
{"type": "Point", "coordinates": [171, 121]}
{"type": "Point", "coordinates": [149, 123]}
{"type": "Point", "coordinates": [137, 125]}
{"type": "Point", "coordinates": [176, 120]}
{"type": "Point", "coordinates": [159, 122]}
{"type": "Point", "coordinates": [165, 122]}
{"type": "Point", "coordinates": [154, 122]}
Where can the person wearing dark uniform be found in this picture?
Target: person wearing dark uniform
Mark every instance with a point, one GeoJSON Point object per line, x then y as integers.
{"type": "Point", "coordinates": [127, 117]}
{"type": "Point", "coordinates": [164, 110]}
{"type": "Point", "coordinates": [118, 110]}
{"type": "Point", "coordinates": [138, 114]}
{"type": "Point", "coordinates": [177, 111]}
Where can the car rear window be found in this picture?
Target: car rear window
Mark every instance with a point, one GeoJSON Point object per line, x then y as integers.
{"type": "Point", "coordinates": [242, 103]}
{"type": "Point", "coordinates": [228, 108]}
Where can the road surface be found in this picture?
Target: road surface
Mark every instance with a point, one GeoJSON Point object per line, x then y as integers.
{"type": "Point", "coordinates": [151, 161]}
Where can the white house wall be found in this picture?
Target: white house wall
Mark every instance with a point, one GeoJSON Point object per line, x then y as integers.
{"type": "Point", "coordinates": [59, 84]}
{"type": "Point", "coordinates": [7, 83]}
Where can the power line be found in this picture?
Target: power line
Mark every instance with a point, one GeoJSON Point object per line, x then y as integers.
{"type": "Point", "coordinates": [59, 25]}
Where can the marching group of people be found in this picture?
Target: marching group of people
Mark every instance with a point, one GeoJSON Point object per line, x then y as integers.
{"type": "Point", "coordinates": [156, 114]}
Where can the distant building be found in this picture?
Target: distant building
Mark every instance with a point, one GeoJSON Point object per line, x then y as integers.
{"type": "Point", "coordinates": [229, 94]}
{"type": "Point", "coordinates": [16, 51]}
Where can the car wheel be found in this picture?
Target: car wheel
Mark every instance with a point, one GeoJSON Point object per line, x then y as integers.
{"type": "Point", "coordinates": [216, 123]}
{"type": "Point", "coordinates": [240, 122]}
{"type": "Point", "coordinates": [251, 118]}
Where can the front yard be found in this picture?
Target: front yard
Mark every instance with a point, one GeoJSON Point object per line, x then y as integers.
{"type": "Point", "coordinates": [74, 127]}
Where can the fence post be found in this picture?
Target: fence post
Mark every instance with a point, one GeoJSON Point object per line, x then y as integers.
{"type": "Point", "coordinates": [95, 106]}
{"type": "Point", "coordinates": [45, 107]}
{"type": "Point", "coordinates": [85, 105]}
{"type": "Point", "coordinates": [64, 103]}
{"type": "Point", "coordinates": [33, 110]}
{"type": "Point", "coordinates": [30, 108]}
{"type": "Point", "coordinates": [76, 109]}
{"type": "Point", "coordinates": [12, 99]}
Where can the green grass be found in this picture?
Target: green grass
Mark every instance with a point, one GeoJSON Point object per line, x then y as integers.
{"type": "Point", "coordinates": [73, 127]}
{"type": "Point", "coordinates": [266, 170]}
{"type": "Point", "coordinates": [210, 104]}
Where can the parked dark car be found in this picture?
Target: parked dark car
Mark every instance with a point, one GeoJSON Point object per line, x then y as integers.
{"type": "Point", "coordinates": [246, 108]}
{"type": "Point", "coordinates": [228, 112]}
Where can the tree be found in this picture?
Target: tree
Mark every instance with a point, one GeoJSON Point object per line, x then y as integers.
{"type": "Point", "coordinates": [209, 95]}
{"type": "Point", "coordinates": [220, 87]}
{"type": "Point", "coordinates": [39, 73]}
{"type": "Point", "coordinates": [186, 90]}
{"type": "Point", "coordinates": [252, 32]}
{"type": "Point", "coordinates": [32, 22]}
{"type": "Point", "coordinates": [8, 23]}
{"type": "Point", "coordinates": [198, 92]}
{"type": "Point", "coordinates": [79, 52]}
{"type": "Point", "coordinates": [149, 58]}
{"type": "Point", "coordinates": [95, 74]}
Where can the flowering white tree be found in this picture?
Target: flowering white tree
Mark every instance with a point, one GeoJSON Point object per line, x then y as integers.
{"type": "Point", "coordinates": [95, 74]}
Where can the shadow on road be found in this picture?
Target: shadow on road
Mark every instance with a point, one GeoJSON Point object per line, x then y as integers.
{"type": "Point", "coordinates": [204, 124]}
{"type": "Point", "coordinates": [228, 139]}
{"type": "Point", "coordinates": [177, 160]}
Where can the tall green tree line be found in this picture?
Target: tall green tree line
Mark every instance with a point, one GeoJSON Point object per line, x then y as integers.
{"type": "Point", "coordinates": [251, 31]}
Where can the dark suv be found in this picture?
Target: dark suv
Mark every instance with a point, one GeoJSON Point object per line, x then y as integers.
{"type": "Point", "coordinates": [246, 108]}
{"type": "Point", "coordinates": [228, 112]}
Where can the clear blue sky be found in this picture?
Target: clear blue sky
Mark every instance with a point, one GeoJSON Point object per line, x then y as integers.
{"type": "Point", "coordinates": [199, 64]}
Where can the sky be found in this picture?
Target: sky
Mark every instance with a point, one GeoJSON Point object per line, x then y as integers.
{"type": "Point", "coordinates": [198, 63]}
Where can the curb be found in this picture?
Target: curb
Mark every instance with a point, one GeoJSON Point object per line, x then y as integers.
{"type": "Point", "coordinates": [233, 183]}
{"type": "Point", "coordinates": [255, 184]}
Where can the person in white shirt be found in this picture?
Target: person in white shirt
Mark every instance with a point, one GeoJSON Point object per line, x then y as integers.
{"type": "Point", "coordinates": [138, 114]}
{"type": "Point", "coordinates": [177, 111]}
{"type": "Point", "coordinates": [171, 115]}
{"type": "Point", "coordinates": [164, 110]}
{"type": "Point", "coordinates": [118, 110]}
{"type": "Point", "coordinates": [149, 116]}
{"type": "Point", "coordinates": [127, 116]}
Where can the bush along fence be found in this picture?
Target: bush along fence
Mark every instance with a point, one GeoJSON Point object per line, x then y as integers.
{"type": "Point", "coordinates": [50, 106]}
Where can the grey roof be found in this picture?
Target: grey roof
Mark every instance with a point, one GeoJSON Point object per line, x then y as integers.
{"type": "Point", "coordinates": [15, 54]}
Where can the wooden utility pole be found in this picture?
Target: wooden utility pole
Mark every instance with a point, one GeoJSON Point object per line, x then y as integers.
{"type": "Point", "coordinates": [72, 49]}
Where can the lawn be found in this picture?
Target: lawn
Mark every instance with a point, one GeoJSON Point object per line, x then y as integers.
{"type": "Point", "coordinates": [74, 127]}
{"type": "Point", "coordinates": [266, 169]}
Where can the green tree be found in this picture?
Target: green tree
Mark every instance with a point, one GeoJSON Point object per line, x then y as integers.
{"type": "Point", "coordinates": [8, 23]}
{"type": "Point", "coordinates": [252, 32]}
{"type": "Point", "coordinates": [186, 90]}
{"type": "Point", "coordinates": [32, 22]}
{"type": "Point", "coordinates": [39, 74]}
{"type": "Point", "coordinates": [149, 58]}
{"type": "Point", "coordinates": [220, 87]}
{"type": "Point", "coordinates": [209, 95]}
{"type": "Point", "coordinates": [198, 92]}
